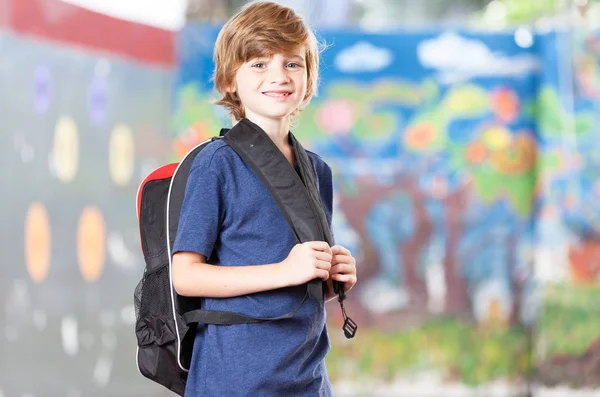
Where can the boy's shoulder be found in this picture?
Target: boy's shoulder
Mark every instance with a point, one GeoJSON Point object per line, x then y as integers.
{"type": "Point", "coordinates": [318, 162]}
{"type": "Point", "coordinates": [219, 153]}
{"type": "Point", "coordinates": [213, 154]}
{"type": "Point", "coordinates": [313, 155]}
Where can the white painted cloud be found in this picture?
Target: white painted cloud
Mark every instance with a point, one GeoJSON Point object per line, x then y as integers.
{"type": "Point", "coordinates": [363, 57]}
{"type": "Point", "coordinates": [458, 59]}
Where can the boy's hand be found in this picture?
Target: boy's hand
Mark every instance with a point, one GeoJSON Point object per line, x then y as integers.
{"type": "Point", "coordinates": [305, 262]}
{"type": "Point", "coordinates": [343, 269]}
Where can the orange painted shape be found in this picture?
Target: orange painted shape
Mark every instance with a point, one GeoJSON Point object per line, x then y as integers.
{"type": "Point", "coordinates": [37, 242]}
{"type": "Point", "coordinates": [420, 136]}
{"type": "Point", "coordinates": [91, 244]}
{"type": "Point", "coordinates": [476, 153]}
{"type": "Point", "coordinates": [584, 262]}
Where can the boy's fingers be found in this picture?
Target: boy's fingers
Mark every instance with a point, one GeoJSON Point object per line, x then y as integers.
{"type": "Point", "coordinates": [344, 278]}
{"type": "Point", "coordinates": [320, 246]}
{"type": "Point", "coordinates": [342, 268]}
{"type": "Point", "coordinates": [324, 256]}
{"type": "Point", "coordinates": [344, 259]}
{"type": "Point", "coordinates": [324, 265]}
{"type": "Point", "coordinates": [338, 249]}
{"type": "Point", "coordinates": [322, 274]}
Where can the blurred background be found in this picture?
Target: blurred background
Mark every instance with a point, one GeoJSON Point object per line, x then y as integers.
{"type": "Point", "coordinates": [464, 140]}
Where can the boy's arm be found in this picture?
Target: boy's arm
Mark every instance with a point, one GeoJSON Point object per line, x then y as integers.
{"type": "Point", "coordinates": [193, 277]}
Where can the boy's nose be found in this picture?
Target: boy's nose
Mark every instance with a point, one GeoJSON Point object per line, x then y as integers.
{"type": "Point", "coordinates": [278, 76]}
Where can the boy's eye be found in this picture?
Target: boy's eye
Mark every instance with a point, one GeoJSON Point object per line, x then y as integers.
{"type": "Point", "coordinates": [293, 65]}
{"type": "Point", "coordinates": [259, 65]}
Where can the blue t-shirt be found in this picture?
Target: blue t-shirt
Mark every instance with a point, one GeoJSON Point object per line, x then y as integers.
{"type": "Point", "coordinates": [230, 217]}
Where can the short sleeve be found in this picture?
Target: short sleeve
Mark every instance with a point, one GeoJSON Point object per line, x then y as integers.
{"type": "Point", "coordinates": [201, 212]}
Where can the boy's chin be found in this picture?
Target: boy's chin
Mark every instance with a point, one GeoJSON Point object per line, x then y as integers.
{"type": "Point", "coordinates": [283, 116]}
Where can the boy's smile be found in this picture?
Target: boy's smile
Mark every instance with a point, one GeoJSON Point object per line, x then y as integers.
{"type": "Point", "coordinates": [272, 87]}
{"type": "Point", "coordinates": [282, 95]}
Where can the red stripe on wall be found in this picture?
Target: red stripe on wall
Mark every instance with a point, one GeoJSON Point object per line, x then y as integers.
{"type": "Point", "coordinates": [4, 14]}
{"type": "Point", "coordinates": [70, 24]}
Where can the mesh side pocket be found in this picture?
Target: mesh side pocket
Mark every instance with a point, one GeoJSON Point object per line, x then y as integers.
{"type": "Point", "coordinates": [155, 329]}
{"type": "Point", "coordinates": [153, 309]}
{"type": "Point", "coordinates": [152, 296]}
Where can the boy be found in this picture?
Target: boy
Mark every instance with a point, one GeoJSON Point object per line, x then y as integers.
{"type": "Point", "coordinates": [266, 69]}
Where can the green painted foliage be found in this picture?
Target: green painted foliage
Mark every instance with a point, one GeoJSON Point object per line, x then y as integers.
{"type": "Point", "coordinates": [394, 92]}
{"type": "Point", "coordinates": [466, 101]}
{"type": "Point", "coordinates": [306, 129]}
{"type": "Point", "coordinates": [345, 90]}
{"type": "Point", "coordinates": [552, 119]}
{"type": "Point", "coordinates": [459, 351]}
{"type": "Point", "coordinates": [570, 318]}
{"type": "Point", "coordinates": [376, 125]}
{"type": "Point", "coordinates": [193, 106]}
{"type": "Point", "coordinates": [491, 185]}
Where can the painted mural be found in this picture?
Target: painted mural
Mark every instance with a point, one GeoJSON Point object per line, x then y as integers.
{"type": "Point", "coordinates": [467, 187]}
{"type": "Point", "coordinates": [567, 262]}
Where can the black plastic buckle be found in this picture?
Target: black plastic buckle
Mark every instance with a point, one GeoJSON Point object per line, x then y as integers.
{"type": "Point", "coordinates": [350, 328]}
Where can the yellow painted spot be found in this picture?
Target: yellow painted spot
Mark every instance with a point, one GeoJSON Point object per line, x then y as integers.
{"type": "Point", "coordinates": [496, 137]}
{"type": "Point", "coordinates": [466, 100]}
{"type": "Point", "coordinates": [37, 242]}
{"type": "Point", "coordinates": [121, 154]}
{"type": "Point", "coordinates": [91, 244]}
{"type": "Point", "coordinates": [65, 152]}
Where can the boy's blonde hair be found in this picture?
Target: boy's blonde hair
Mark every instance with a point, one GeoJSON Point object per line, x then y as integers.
{"type": "Point", "coordinates": [261, 29]}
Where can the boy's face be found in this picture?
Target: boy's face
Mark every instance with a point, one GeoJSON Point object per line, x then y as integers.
{"type": "Point", "coordinates": [272, 87]}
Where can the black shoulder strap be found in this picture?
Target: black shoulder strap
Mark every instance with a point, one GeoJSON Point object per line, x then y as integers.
{"type": "Point", "coordinates": [295, 200]}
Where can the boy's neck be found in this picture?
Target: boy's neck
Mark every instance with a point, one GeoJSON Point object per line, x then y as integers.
{"type": "Point", "coordinates": [276, 129]}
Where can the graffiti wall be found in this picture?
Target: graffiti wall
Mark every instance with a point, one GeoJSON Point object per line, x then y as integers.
{"type": "Point", "coordinates": [465, 184]}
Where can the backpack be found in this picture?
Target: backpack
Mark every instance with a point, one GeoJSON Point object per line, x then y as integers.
{"type": "Point", "coordinates": [166, 322]}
